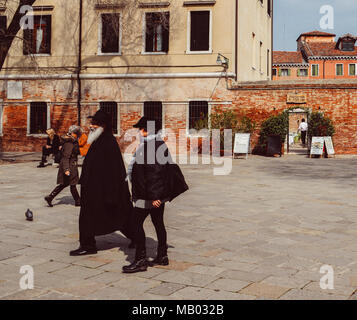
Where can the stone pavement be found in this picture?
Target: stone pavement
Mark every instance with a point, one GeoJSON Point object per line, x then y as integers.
{"type": "Point", "coordinates": [262, 232]}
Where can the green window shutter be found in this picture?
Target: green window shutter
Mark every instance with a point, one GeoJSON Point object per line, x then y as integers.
{"type": "Point", "coordinates": [279, 72]}
{"type": "Point", "coordinates": [289, 72]}
{"type": "Point", "coordinates": [298, 73]}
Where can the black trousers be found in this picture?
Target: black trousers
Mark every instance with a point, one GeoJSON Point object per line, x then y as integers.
{"type": "Point", "coordinates": [46, 152]}
{"type": "Point", "coordinates": [157, 218]}
{"type": "Point", "coordinates": [303, 137]}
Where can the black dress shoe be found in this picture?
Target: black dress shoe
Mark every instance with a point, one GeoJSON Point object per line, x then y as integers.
{"type": "Point", "coordinates": [41, 165]}
{"type": "Point", "coordinates": [82, 252]}
{"type": "Point", "coordinates": [137, 266]}
{"type": "Point", "coordinates": [159, 261]}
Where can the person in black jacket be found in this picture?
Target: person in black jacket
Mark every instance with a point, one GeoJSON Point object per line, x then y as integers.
{"type": "Point", "coordinates": [52, 147]}
{"type": "Point", "coordinates": [155, 180]}
{"type": "Point", "coordinates": [68, 170]}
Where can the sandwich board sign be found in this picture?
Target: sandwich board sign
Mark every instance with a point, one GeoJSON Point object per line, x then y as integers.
{"type": "Point", "coordinates": [317, 146]}
{"type": "Point", "coordinates": [241, 144]}
{"type": "Point", "coordinates": [329, 146]}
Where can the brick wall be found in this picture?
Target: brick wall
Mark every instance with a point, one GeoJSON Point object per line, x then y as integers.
{"type": "Point", "coordinates": [337, 99]}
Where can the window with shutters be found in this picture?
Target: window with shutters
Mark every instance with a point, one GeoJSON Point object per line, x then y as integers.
{"type": "Point", "coordinates": [352, 69]}
{"type": "Point", "coordinates": [285, 72]}
{"type": "Point", "coordinates": [274, 71]}
{"type": "Point", "coordinates": [111, 107]}
{"type": "Point", "coordinates": [153, 110]}
{"type": "Point", "coordinates": [198, 110]}
{"type": "Point", "coordinates": [315, 70]}
{"type": "Point", "coordinates": [157, 27]}
{"type": "Point", "coordinates": [200, 31]}
{"type": "Point", "coordinates": [38, 118]}
{"type": "Point", "coordinates": [38, 40]}
{"type": "Point", "coordinates": [109, 40]}
{"type": "Point", "coordinates": [3, 25]}
{"type": "Point", "coordinates": [339, 69]}
{"type": "Point", "coordinates": [303, 73]}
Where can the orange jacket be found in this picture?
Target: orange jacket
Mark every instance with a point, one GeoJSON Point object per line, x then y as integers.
{"type": "Point", "coordinates": [83, 145]}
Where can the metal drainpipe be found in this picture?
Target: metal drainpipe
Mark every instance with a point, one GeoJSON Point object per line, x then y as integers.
{"type": "Point", "coordinates": [79, 95]}
{"type": "Point", "coordinates": [236, 42]}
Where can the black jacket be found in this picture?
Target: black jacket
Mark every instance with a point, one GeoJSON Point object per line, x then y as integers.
{"type": "Point", "coordinates": [105, 196]}
{"type": "Point", "coordinates": [55, 143]}
{"type": "Point", "coordinates": [154, 175]}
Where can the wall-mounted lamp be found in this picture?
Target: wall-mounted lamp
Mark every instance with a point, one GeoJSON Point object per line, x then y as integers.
{"type": "Point", "coordinates": [222, 60]}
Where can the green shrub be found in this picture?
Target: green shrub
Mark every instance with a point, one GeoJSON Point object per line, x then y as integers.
{"type": "Point", "coordinates": [320, 126]}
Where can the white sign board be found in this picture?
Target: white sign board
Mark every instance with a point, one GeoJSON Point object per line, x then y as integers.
{"type": "Point", "coordinates": [241, 143]}
{"type": "Point", "coordinates": [317, 146]}
{"type": "Point", "coordinates": [329, 146]}
{"type": "Point", "coordinates": [14, 90]}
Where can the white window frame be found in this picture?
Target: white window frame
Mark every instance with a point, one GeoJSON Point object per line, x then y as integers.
{"type": "Point", "coordinates": [100, 39]}
{"type": "Point", "coordinates": [143, 52]}
{"type": "Point", "coordinates": [350, 64]}
{"type": "Point", "coordinates": [339, 75]}
{"type": "Point", "coordinates": [188, 51]}
{"type": "Point", "coordinates": [28, 134]}
{"type": "Point", "coordinates": [307, 73]}
{"type": "Point", "coordinates": [188, 117]}
{"type": "Point", "coordinates": [318, 70]}
{"type": "Point", "coordinates": [43, 54]}
{"type": "Point", "coordinates": [1, 117]}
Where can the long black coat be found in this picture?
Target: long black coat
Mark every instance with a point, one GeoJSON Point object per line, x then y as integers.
{"type": "Point", "coordinates": [105, 198]}
{"type": "Point", "coordinates": [155, 176]}
{"type": "Point", "coordinates": [68, 162]}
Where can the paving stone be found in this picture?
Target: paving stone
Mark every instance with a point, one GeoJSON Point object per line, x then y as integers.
{"type": "Point", "coordinates": [77, 272]}
{"type": "Point", "coordinates": [297, 294]}
{"type": "Point", "coordinates": [228, 285]}
{"type": "Point", "coordinates": [264, 290]}
{"type": "Point", "coordinates": [186, 278]}
{"type": "Point", "coordinates": [165, 289]}
{"type": "Point", "coordinates": [287, 282]}
{"type": "Point", "coordinates": [243, 276]}
{"type": "Point", "coordinates": [338, 289]}
{"type": "Point", "coordinates": [213, 271]}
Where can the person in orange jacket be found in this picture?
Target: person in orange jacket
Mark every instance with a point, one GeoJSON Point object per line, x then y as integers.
{"type": "Point", "coordinates": [82, 139]}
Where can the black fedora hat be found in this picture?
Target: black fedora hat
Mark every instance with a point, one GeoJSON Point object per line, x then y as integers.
{"type": "Point", "coordinates": [101, 118]}
{"type": "Point", "coordinates": [147, 123]}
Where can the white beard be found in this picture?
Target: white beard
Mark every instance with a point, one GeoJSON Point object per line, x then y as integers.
{"type": "Point", "coordinates": [94, 134]}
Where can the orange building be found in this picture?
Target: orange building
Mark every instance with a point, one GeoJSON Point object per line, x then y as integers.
{"type": "Point", "coordinates": [321, 55]}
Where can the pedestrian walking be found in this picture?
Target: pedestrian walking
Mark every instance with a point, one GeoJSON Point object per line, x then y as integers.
{"type": "Point", "coordinates": [155, 180]}
{"type": "Point", "coordinates": [52, 147]}
{"type": "Point", "coordinates": [303, 129]}
{"type": "Point", "coordinates": [105, 198]}
{"type": "Point", "coordinates": [68, 169]}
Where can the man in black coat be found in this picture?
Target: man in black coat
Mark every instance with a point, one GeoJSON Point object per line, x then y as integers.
{"type": "Point", "coordinates": [155, 181]}
{"type": "Point", "coordinates": [105, 198]}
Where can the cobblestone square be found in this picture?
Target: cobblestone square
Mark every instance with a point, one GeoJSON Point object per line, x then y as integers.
{"type": "Point", "coordinates": [262, 232]}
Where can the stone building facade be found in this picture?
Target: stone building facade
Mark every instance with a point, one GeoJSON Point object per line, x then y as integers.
{"type": "Point", "coordinates": [165, 59]}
